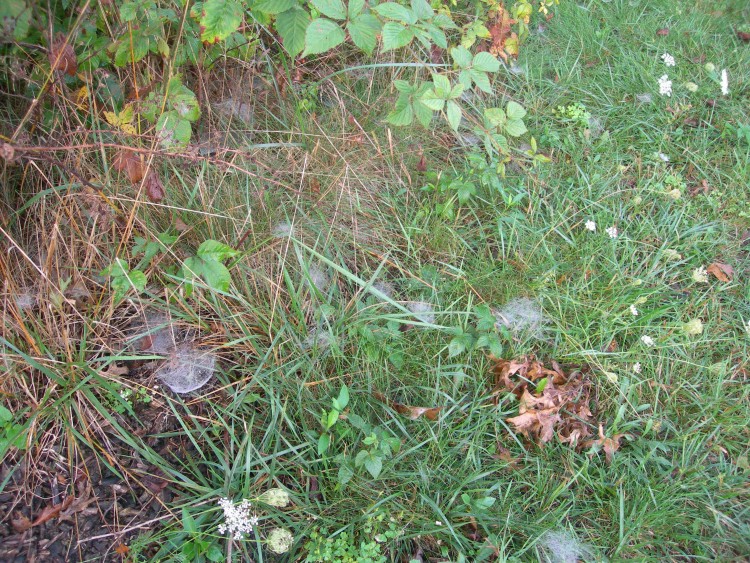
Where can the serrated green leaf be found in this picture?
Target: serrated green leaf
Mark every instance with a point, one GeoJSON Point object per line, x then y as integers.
{"type": "Point", "coordinates": [461, 56]}
{"type": "Point", "coordinates": [219, 19]}
{"type": "Point", "coordinates": [495, 116]}
{"type": "Point", "coordinates": [217, 275]}
{"type": "Point", "coordinates": [364, 31]}
{"type": "Point", "coordinates": [456, 91]}
{"type": "Point", "coordinates": [515, 127]}
{"type": "Point", "coordinates": [464, 78]}
{"type": "Point", "coordinates": [355, 8]}
{"type": "Point", "coordinates": [485, 62]}
{"type": "Point", "coordinates": [275, 6]}
{"type": "Point", "coordinates": [131, 50]}
{"type": "Point", "coordinates": [396, 36]}
{"type": "Point", "coordinates": [465, 192]}
{"type": "Point", "coordinates": [404, 86]}
{"type": "Point", "coordinates": [128, 11]}
{"type": "Point", "coordinates": [322, 35]}
{"type": "Point", "coordinates": [323, 443]}
{"type": "Point", "coordinates": [422, 9]}
{"type": "Point", "coordinates": [442, 84]}
{"type": "Point", "coordinates": [453, 112]}
{"type": "Point", "coordinates": [443, 21]}
{"type": "Point", "coordinates": [374, 465]}
{"type": "Point", "coordinates": [481, 79]}
{"type": "Point", "coordinates": [172, 130]}
{"type": "Point", "coordinates": [432, 100]}
{"type": "Point", "coordinates": [456, 346]}
{"type": "Point", "coordinates": [334, 9]}
{"type": "Point", "coordinates": [345, 474]}
{"type": "Point", "coordinates": [397, 12]}
{"type": "Point", "coordinates": [182, 100]}
{"type": "Point", "coordinates": [215, 250]}
{"type": "Point", "coordinates": [438, 36]}
{"type": "Point", "coordinates": [515, 110]}
{"type": "Point", "coordinates": [423, 113]}
{"type": "Point", "coordinates": [292, 25]}
{"type": "Point", "coordinates": [401, 116]}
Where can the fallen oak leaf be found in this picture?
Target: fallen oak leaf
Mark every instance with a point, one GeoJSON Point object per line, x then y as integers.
{"type": "Point", "coordinates": [430, 413]}
{"type": "Point", "coordinates": [723, 272]}
{"type": "Point", "coordinates": [609, 445]}
{"type": "Point", "coordinates": [154, 188]}
{"type": "Point", "coordinates": [131, 163]}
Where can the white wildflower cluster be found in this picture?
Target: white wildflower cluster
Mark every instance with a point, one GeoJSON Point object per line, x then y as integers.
{"type": "Point", "coordinates": [637, 367]}
{"type": "Point", "coordinates": [634, 310]}
{"type": "Point", "coordinates": [665, 85]}
{"type": "Point", "coordinates": [724, 83]}
{"type": "Point", "coordinates": [590, 226]}
{"type": "Point", "coordinates": [647, 340]}
{"type": "Point", "coordinates": [668, 59]}
{"type": "Point", "coordinates": [700, 275]}
{"type": "Point", "coordinates": [612, 231]}
{"type": "Point", "coordinates": [237, 519]}
{"type": "Point", "coordinates": [279, 540]}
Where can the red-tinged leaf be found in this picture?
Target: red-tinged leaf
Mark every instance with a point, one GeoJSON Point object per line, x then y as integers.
{"type": "Point", "coordinates": [154, 188]}
{"type": "Point", "coordinates": [743, 36]}
{"type": "Point", "coordinates": [122, 549]}
{"type": "Point", "coordinates": [663, 32]}
{"type": "Point", "coordinates": [20, 524]}
{"type": "Point", "coordinates": [430, 413]}
{"type": "Point", "coordinates": [62, 57]}
{"type": "Point", "coordinates": [131, 163]}
{"type": "Point", "coordinates": [422, 164]}
{"type": "Point", "coordinates": [722, 272]}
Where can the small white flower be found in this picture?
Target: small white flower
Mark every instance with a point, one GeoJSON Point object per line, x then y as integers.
{"type": "Point", "coordinates": [724, 83]}
{"type": "Point", "coordinates": [612, 231]}
{"type": "Point", "coordinates": [237, 519]}
{"type": "Point", "coordinates": [647, 340]}
{"type": "Point", "coordinates": [637, 367]}
{"type": "Point", "coordinates": [590, 226]}
{"type": "Point", "coordinates": [634, 310]}
{"type": "Point", "coordinates": [668, 59]}
{"type": "Point", "coordinates": [665, 86]}
{"type": "Point", "coordinates": [438, 523]}
{"type": "Point", "coordinates": [700, 275]}
{"type": "Point", "coordinates": [674, 194]}
{"type": "Point", "coordinates": [693, 328]}
{"type": "Point", "coordinates": [663, 157]}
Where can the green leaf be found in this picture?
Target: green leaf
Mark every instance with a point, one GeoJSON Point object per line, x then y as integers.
{"type": "Point", "coordinates": [345, 474]}
{"type": "Point", "coordinates": [215, 250]}
{"type": "Point", "coordinates": [183, 100]}
{"type": "Point", "coordinates": [322, 35]}
{"type": "Point", "coordinates": [332, 418]}
{"type": "Point", "coordinates": [437, 36]}
{"type": "Point", "coordinates": [131, 50]}
{"type": "Point", "coordinates": [494, 116]}
{"type": "Point", "coordinates": [402, 115]}
{"type": "Point", "coordinates": [456, 346]}
{"type": "Point", "coordinates": [217, 275]}
{"type": "Point", "coordinates": [481, 79]}
{"type": "Point", "coordinates": [432, 100]}
{"type": "Point", "coordinates": [465, 191]}
{"type": "Point", "coordinates": [404, 86]}
{"type": "Point", "coordinates": [364, 31]}
{"type": "Point", "coordinates": [172, 130]}
{"type": "Point", "coordinates": [291, 26]}
{"type": "Point", "coordinates": [422, 9]}
{"type": "Point", "coordinates": [485, 62]}
{"type": "Point", "coordinates": [423, 113]}
{"type": "Point", "coordinates": [515, 110]}
{"type": "Point", "coordinates": [128, 11]}
{"type": "Point", "coordinates": [456, 91]}
{"type": "Point", "coordinates": [215, 554]}
{"type": "Point", "coordinates": [355, 8]}
{"type": "Point", "coordinates": [396, 36]}
{"type": "Point", "coordinates": [374, 465]}
{"type": "Point", "coordinates": [332, 8]}
{"type": "Point", "coordinates": [360, 459]}
{"type": "Point", "coordinates": [484, 503]}
{"type": "Point", "coordinates": [188, 522]}
{"type": "Point", "coordinates": [461, 56]}
{"type": "Point", "coordinates": [515, 127]}
{"type": "Point", "coordinates": [275, 6]}
{"type": "Point", "coordinates": [394, 11]}
{"type": "Point", "coordinates": [323, 443]}
{"type": "Point", "coordinates": [137, 280]}
{"type": "Point", "coordinates": [442, 84]}
{"type": "Point", "coordinates": [343, 398]}
{"type": "Point", "coordinates": [5, 415]}
{"type": "Point", "coordinates": [443, 21]}
{"type": "Point", "coordinates": [453, 112]}
{"type": "Point", "coordinates": [219, 19]}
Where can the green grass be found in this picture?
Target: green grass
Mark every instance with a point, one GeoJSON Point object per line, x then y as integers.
{"type": "Point", "coordinates": [677, 487]}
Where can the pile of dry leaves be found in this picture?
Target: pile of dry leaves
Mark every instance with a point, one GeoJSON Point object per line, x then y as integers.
{"type": "Point", "coordinates": [552, 403]}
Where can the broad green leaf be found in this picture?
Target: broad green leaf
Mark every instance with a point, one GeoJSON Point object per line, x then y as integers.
{"type": "Point", "coordinates": [423, 113]}
{"type": "Point", "coordinates": [404, 86]}
{"type": "Point", "coordinates": [220, 18]}
{"type": "Point", "coordinates": [453, 112]}
{"type": "Point", "coordinates": [484, 503]}
{"type": "Point", "coordinates": [322, 35]}
{"type": "Point", "coordinates": [442, 84]}
{"type": "Point", "coordinates": [217, 275]}
{"type": "Point", "coordinates": [275, 6]}
{"type": "Point", "coordinates": [456, 346]}
{"type": "Point", "coordinates": [515, 110]}
{"type": "Point", "coordinates": [486, 62]}
{"type": "Point", "coordinates": [495, 116]}
{"type": "Point", "coordinates": [183, 100]}
{"type": "Point", "coordinates": [5, 415]}
{"type": "Point", "coordinates": [464, 78]}
{"type": "Point", "coordinates": [355, 8]}
{"type": "Point", "coordinates": [215, 250]}
{"type": "Point", "coordinates": [394, 11]}
{"type": "Point", "coordinates": [137, 280]}
{"type": "Point", "coordinates": [292, 25]}
{"type": "Point", "coordinates": [481, 80]}
{"type": "Point", "coordinates": [364, 31]}
{"type": "Point", "coordinates": [456, 91]}
{"type": "Point", "coordinates": [323, 442]}
{"type": "Point", "coordinates": [432, 100]}
{"type": "Point", "coordinates": [332, 418]}
{"type": "Point", "coordinates": [461, 56]}
{"type": "Point", "coordinates": [402, 115]}
{"type": "Point", "coordinates": [465, 191]}
{"type": "Point", "coordinates": [422, 9]}
{"type": "Point", "coordinates": [345, 474]}
{"type": "Point", "coordinates": [443, 21]}
{"type": "Point", "coordinates": [334, 9]}
{"type": "Point", "coordinates": [215, 554]}
{"type": "Point", "coordinates": [374, 465]}
{"type": "Point", "coordinates": [360, 458]}
{"type": "Point", "coordinates": [188, 522]}
{"type": "Point", "coordinates": [515, 127]}
{"type": "Point", "coordinates": [131, 49]}
{"type": "Point", "coordinates": [128, 11]}
{"type": "Point", "coordinates": [396, 36]}
{"type": "Point", "coordinates": [437, 36]}
{"type": "Point", "coordinates": [343, 398]}
{"type": "Point", "coordinates": [172, 130]}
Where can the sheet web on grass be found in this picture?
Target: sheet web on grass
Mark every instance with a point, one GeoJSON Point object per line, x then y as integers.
{"type": "Point", "coordinates": [522, 315]}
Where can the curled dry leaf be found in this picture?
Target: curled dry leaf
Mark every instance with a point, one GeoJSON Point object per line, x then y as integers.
{"type": "Point", "coordinates": [663, 32]}
{"type": "Point", "coordinates": [609, 445]}
{"type": "Point", "coordinates": [62, 57]}
{"type": "Point", "coordinates": [131, 163]}
{"type": "Point", "coordinates": [504, 42]}
{"type": "Point", "coordinates": [154, 187]}
{"type": "Point", "coordinates": [430, 413]}
{"type": "Point", "coordinates": [722, 272]}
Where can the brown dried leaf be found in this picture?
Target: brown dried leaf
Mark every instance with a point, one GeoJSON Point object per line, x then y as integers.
{"type": "Point", "coordinates": [504, 40]}
{"type": "Point", "coordinates": [62, 57]}
{"type": "Point", "coordinates": [723, 272]}
{"type": "Point", "coordinates": [743, 36]}
{"type": "Point", "coordinates": [131, 163]}
{"type": "Point", "coordinates": [609, 445]}
{"type": "Point", "coordinates": [663, 32]}
{"type": "Point", "coordinates": [154, 188]}
{"type": "Point", "coordinates": [430, 413]}
{"type": "Point", "coordinates": [21, 524]}
{"type": "Point", "coordinates": [7, 152]}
